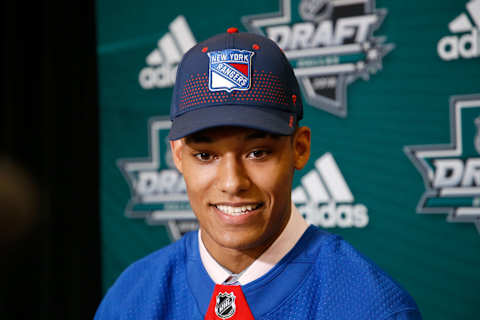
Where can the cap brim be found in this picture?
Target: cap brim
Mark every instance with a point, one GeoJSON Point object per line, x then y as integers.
{"type": "Point", "coordinates": [253, 117]}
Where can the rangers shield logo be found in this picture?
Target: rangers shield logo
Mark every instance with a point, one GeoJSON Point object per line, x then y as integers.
{"type": "Point", "coordinates": [225, 305]}
{"type": "Point", "coordinates": [229, 70]}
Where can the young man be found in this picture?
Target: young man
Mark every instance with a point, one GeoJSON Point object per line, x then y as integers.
{"type": "Point", "coordinates": [236, 140]}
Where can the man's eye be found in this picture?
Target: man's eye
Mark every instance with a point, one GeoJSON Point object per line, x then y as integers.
{"type": "Point", "coordinates": [257, 154]}
{"type": "Point", "coordinates": [203, 156]}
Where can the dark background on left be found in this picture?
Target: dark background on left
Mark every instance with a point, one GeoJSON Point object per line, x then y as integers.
{"type": "Point", "coordinates": [49, 204]}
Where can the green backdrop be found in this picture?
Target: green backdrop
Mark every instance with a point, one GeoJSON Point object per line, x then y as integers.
{"type": "Point", "coordinates": [393, 167]}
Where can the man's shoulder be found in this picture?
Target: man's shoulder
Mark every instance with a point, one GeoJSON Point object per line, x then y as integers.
{"type": "Point", "coordinates": [150, 277]}
{"type": "Point", "coordinates": [162, 259]}
{"type": "Point", "coordinates": [342, 273]}
{"type": "Point", "coordinates": [329, 252]}
{"type": "Point", "coordinates": [335, 255]}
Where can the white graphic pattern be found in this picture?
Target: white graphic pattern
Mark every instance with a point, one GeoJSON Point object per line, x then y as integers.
{"type": "Point", "coordinates": [448, 155]}
{"type": "Point", "coordinates": [162, 61]}
{"type": "Point", "coordinates": [321, 190]}
{"type": "Point", "coordinates": [462, 45]}
{"type": "Point", "coordinates": [315, 44]}
{"type": "Point", "coordinates": [158, 192]}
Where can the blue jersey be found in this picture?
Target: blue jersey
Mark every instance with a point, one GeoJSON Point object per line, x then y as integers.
{"type": "Point", "coordinates": [322, 277]}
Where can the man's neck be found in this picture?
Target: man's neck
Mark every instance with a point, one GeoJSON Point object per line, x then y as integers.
{"type": "Point", "coordinates": [254, 268]}
{"type": "Point", "coordinates": [236, 260]}
{"type": "Point", "coordinates": [233, 260]}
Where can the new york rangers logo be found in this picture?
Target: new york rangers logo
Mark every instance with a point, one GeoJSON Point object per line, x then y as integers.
{"type": "Point", "coordinates": [229, 70]}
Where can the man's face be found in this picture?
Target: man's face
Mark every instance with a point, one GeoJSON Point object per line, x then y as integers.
{"type": "Point", "coordinates": [239, 183]}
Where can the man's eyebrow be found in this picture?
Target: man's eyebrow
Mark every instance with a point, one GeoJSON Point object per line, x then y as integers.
{"type": "Point", "coordinates": [201, 138]}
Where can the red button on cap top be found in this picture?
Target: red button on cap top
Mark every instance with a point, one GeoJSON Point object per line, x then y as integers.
{"type": "Point", "coordinates": [232, 30]}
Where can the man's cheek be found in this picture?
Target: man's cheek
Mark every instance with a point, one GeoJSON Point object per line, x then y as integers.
{"type": "Point", "coordinates": [197, 180]}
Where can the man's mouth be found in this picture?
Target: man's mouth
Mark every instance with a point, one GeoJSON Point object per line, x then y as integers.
{"type": "Point", "coordinates": [237, 210]}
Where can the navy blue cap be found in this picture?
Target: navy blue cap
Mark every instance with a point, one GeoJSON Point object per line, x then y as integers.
{"type": "Point", "coordinates": [235, 79]}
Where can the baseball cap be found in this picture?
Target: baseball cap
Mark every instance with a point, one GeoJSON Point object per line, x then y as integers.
{"type": "Point", "coordinates": [235, 79]}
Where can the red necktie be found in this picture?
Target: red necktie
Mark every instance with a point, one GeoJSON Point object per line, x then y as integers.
{"type": "Point", "coordinates": [228, 302]}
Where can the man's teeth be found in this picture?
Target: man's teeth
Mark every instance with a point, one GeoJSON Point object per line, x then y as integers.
{"type": "Point", "coordinates": [236, 211]}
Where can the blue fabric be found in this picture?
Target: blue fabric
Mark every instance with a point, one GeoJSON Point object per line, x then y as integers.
{"type": "Point", "coordinates": [271, 101]}
{"type": "Point", "coordinates": [322, 277]}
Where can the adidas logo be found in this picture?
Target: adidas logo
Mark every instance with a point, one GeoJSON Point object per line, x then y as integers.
{"type": "Point", "coordinates": [325, 199]}
{"type": "Point", "coordinates": [163, 61]}
{"type": "Point", "coordinates": [467, 45]}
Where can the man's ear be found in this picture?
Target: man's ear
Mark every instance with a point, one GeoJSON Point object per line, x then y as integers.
{"type": "Point", "coordinates": [177, 146]}
{"type": "Point", "coordinates": [301, 147]}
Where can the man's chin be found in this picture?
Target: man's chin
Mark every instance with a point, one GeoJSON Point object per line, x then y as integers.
{"type": "Point", "coordinates": [239, 241]}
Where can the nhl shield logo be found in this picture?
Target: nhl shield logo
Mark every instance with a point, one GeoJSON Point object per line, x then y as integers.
{"type": "Point", "coordinates": [229, 70]}
{"type": "Point", "coordinates": [225, 305]}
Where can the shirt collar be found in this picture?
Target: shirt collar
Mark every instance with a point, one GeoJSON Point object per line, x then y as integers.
{"type": "Point", "coordinates": [293, 231]}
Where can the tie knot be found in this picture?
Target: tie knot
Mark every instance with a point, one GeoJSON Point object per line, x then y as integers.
{"type": "Point", "coordinates": [232, 280]}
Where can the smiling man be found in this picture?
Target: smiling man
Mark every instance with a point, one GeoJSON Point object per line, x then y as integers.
{"type": "Point", "coordinates": [239, 185]}
{"type": "Point", "coordinates": [236, 139]}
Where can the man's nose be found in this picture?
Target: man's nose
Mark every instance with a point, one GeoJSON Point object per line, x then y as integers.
{"type": "Point", "coordinates": [232, 178]}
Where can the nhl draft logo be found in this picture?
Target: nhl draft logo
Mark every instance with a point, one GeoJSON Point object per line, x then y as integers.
{"type": "Point", "coordinates": [466, 44]}
{"type": "Point", "coordinates": [451, 173]}
{"type": "Point", "coordinates": [325, 199]}
{"type": "Point", "coordinates": [229, 70]}
{"type": "Point", "coordinates": [225, 305]}
{"type": "Point", "coordinates": [329, 43]}
{"type": "Point", "coordinates": [158, 191]}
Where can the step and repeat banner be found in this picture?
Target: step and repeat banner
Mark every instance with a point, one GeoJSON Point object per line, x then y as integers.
{"type": "Point", "coordinates": [391, 91]}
